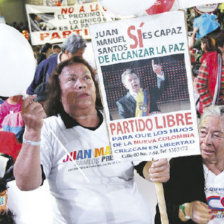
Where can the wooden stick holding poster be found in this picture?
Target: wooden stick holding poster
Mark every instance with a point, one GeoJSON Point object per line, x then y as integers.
{"type": "Point", "coordinates": [160, 198]}
{"type": "Point", "coordinates": [155, 49]}
{"type": "Point", "coordinates": [161, 203]}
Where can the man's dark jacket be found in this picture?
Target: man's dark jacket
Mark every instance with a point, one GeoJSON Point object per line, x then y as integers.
{"type": "Point", "coordinates": [127, 104]}
{"type": "Point", "coordinates": [43, 72]}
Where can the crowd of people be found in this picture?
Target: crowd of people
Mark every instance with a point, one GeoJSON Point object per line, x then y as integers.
{"type": "Point", "coordinates": [62, 121]}
{"type": "Point", "coordinates": [207, 43]}
{"type": "Point", "coordinates": [20, 26]}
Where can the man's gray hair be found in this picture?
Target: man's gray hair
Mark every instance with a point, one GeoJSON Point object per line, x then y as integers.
{"type": "Point", "coordinates": [213, 110]}
{"type": "Point", "coordinates": [73, 43]}
{"type": "Point", "coordinates": [127, 72]}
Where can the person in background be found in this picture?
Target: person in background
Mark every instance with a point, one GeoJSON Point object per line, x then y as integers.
{"type": "Point", "coordinates": [45, 52]}
{"type": "Point", "coordinates": [13, 122]}
{"type": "Point", "coordinates": [205, 24]}
{"type": "Point", "coordinates": [208, 51]}
{"type": "Point", "coordinates": [41, 94]}
{"type": "Point", "coordinates": [195, 191]}
{"type": "Point", "coordinates": [56, 49]}
{"type": "Point", "coordinates": [2, 99]}
{"type": "Point", "coordinates": [11, 105]}
{"type": "Point", "coordinates": [74, 45]}
{"type": "Point", "coordinates": [9, 144]}
{"type": "Point", "coordinates": [36, 50]}
{"type": "Point", "coordinates": [138, 101]}
{"type": "Point", "coordinates": [89, 187]}
{"type": "Point", "coordinates": [207, 47]}
{"type": "Point", "coordinates": [193, 38]}
{"type": "Point", "coordinates": [210, 80]}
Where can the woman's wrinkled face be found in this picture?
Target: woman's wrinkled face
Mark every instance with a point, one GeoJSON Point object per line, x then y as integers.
{"type": "Point", "coordinates": [78, 90]}
{"type": "Point", "coordinates": [212, 139]}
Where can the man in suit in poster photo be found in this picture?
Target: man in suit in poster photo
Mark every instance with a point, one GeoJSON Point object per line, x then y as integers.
{"type": "Point", "coordinates": [140, 102]}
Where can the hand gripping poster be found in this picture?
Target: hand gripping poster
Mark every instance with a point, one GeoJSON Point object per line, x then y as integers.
{"type": "Point", "coordinates": [146, 86]}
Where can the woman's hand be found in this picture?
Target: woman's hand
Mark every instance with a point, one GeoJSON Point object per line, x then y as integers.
{"type": "Point", "coordinates": [157, 171]}
{"type": "Point", "coordinates": [198, 211]}
{"type": "Point", "coordinates": [33, 114]}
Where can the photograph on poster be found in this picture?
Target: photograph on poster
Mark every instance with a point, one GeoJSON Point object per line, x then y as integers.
{"type": "Point", "coordinates": [40, 21]}
{"type": "Point", "coordinates": [133, 88]}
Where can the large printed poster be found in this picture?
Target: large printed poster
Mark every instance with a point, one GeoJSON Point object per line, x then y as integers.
{"type": "Point", "coordinates": [159, 120]}
{"type": "Point", "coordinates": [49, 24]}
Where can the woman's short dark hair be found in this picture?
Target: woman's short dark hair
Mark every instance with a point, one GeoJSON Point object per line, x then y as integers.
{"type": "Point", "coordinates": [53, 101]}
{"type": "Point", "coordinates": [209, 45]}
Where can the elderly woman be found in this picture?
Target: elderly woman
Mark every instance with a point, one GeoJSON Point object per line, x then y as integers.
{"type": "Point", "coordinates": [195, 191]}
{"type": "Point", "coordinates": [87, 184]}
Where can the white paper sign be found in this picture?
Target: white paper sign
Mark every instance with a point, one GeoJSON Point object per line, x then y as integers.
{"type": "Point", "coordinates": [138, 44]}
{"type": "Point", "coordinates": [54, 24]}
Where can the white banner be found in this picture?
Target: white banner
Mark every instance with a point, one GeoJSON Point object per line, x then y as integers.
{"type": "Point", "coordinates": [54, 24]}
{"type": "Point", "coordinates": [139, 44]}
